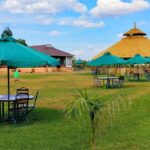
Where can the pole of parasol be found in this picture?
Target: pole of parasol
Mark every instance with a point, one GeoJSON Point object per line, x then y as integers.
{"type": "Point", "coordinates": [8, 84]}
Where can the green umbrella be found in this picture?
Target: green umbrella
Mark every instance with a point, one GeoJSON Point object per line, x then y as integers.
{"type": "Point", "coordinates": [79, 62]}
{"type": "Point", "coordinates": [107, 60]}
{"type": "Point", "coordinates": [138, 59]}
{"type": "Point", "coordinates": [148, 59]}
{"type": "Point", "coordinates": [13, 54]}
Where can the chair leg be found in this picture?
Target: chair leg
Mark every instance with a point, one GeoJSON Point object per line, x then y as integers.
{"type": "Point", "coordinates": [26, 119]}
{"type": "Point", "coordinates": [14, 121]}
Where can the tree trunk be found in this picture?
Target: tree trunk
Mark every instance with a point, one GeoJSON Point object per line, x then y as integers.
{"type": "Point", "coordinates": [92, 116]}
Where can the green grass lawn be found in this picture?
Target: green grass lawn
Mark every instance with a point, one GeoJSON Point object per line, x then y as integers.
{"type": "Point", "coordinates": [48, 130]}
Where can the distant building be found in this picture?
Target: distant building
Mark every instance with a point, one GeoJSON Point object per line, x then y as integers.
{"type": "Point", "coordinates": [64, 57]}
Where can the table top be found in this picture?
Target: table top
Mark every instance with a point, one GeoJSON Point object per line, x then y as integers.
{"type": "Point", "coordinates": [106, 78]}
{"type": "Point", "coordinates": [12, 97]}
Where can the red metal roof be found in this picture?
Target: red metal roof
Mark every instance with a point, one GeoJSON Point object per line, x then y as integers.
{"type": "Point", "coordinates": [50, 50]}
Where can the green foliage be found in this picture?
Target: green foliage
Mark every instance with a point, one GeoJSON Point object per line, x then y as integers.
{"type": "Point", "coordinates": [47, 130]}
{"type": "Point", "coordinates": [6, 32]}
{"type": "Point", "coordinates": [100, 114]}
{"type": "Point", "coordinates": [82, 103]}
{"type": "Point", "coordinates": [83, 64]}
{"type": "Point", "coordinates": [21, 41]}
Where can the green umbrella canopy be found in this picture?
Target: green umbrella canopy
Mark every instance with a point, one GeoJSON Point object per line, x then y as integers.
{"type": "Point", "coordinates": [49, 60]}
{"type": "Point", "coordinates": [138, 59]}
{"type": "Point", "coordinates": [148, 59]}
{"type": "Point", "coordinates": [79, 62]}
{"type": "Point", "coordinates": [14, 54]}
{"type": "Point", "coordinates": [107, 60]}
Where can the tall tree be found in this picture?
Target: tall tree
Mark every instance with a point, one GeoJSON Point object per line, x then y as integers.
{"type": "Point", "coordinates": [6, 32]}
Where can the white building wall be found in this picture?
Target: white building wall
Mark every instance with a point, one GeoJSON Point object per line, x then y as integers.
{"type": "Point", "coordinates": [69, 61]}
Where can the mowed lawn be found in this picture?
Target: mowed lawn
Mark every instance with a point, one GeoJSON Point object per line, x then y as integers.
{"type": "Point", "coordinates": [48, 130]}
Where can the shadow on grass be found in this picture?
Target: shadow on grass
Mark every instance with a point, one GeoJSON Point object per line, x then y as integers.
{"type": "Point", "coordinates": [45, 115]}
{"type": "Point", "coordinates": [39, 115]}
{"type": "Point", "coordinates": [142, 80]}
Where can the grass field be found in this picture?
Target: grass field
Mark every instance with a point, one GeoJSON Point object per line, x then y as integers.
{"type": "Point", "coordinates": [48, 130]}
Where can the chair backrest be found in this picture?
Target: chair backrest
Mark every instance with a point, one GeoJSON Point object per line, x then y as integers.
{"type": "Point", "coordinates": [22, 90]}
{"type": "Point", "coordinates": [21, 102]}
{"type": "Point", "coordinates": [33, 102]}
{"type": "Point", "coordinates": [36, 96]}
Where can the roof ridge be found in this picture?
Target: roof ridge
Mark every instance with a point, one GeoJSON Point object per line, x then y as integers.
{"type": "Point", "coordinates": [50, 47]}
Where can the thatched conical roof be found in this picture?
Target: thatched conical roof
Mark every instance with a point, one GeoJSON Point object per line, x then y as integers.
{"type": "Point", "coordinates": [134, 42]}
{"type": "Point", "coordinates": [134, 32]}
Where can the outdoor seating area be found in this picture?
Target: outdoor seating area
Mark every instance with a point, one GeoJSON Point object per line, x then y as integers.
{"type": "Point", "coordinates": [47, 118]}
{"type": "Point", "coordinates": [111, 79]}
{"type": "Point", "coordinates": [18, 106]}
{"type": "Point", "coordinates": [95, 95]}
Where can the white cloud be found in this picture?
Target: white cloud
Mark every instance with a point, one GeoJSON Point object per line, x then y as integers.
{"type": "Point", "coordinates": [82, 21]}
{"type": "Point", "coordinates": [107, 8]}
{"type": "Point", "coordinates": [78, 53]}
{"type": "Point", "coordinates": [43, 19]}
{"type": "Point", "coordinates": [54, 33]}
{"type": "Point", "coordinates": [120, 35]}
{"type": "Point", "coordinates": [89, 51]}
{"type": "Point", "coordinates": [44, 6]}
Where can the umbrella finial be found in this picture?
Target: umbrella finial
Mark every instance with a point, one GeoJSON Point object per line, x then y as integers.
{"type": "Point", "coordinates": [134, 25]}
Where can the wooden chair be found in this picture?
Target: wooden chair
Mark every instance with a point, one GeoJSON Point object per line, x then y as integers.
{"type": "Point", "coordinates": [19, 109]}
{"type": "Point", "coordinates": [32, 103]}
{"type": "Point", "coordinates": [22, 90]}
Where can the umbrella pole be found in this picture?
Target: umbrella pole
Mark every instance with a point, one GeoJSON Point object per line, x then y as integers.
{"type": "Point", "coordinates": [107, 72]}
{"type": "Point", "coordinates": [8, 84]}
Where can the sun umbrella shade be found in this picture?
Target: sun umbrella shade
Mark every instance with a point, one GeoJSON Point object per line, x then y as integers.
{"type": "Point", "coordinates": [14, 54]}
{"type": "Point", "coordinates": [148, 59]}
{"type": "Point", "coordinates": [138, 59]}
{"type": "Point", "coordinates": [49, 60]}
{"type": "Point", "coordinates": [78, 62]}
{"type": "Point", "coordinates": [107, 60]}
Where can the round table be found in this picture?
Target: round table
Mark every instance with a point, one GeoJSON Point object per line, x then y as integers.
{"type": "Point", "coordinates": [11, 98]}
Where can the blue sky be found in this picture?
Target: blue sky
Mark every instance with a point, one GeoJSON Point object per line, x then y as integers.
{"type": "Point", "coordinates": [81, 27]}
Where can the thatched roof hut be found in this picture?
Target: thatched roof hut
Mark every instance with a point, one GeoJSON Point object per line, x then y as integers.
{"type": "Point", "coordinates": [134, 42]}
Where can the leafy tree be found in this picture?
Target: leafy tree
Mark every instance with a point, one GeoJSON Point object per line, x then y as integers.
{"type": "Point", "coordinates": [6, 32]}
{"type": "Point", "coordinates": [99, 113]}
{"type": "Point", "coordinates": [22, 41]}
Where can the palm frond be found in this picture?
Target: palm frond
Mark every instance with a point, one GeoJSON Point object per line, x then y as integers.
{"type": "Point", "coordinates": [76, 107]}
{"type": "Point", "coordinates": [107, 114]}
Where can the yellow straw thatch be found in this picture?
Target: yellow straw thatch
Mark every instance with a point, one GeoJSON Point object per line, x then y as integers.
{"type": "Point", "coordinates": [134, 43]}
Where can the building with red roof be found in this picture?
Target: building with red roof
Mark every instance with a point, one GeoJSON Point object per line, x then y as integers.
{"type": "Point", "coordinates": [64, 57]}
